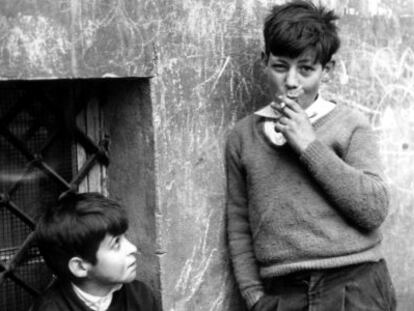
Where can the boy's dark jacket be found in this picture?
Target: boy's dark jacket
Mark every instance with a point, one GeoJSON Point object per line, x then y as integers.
{"type": "Point", "coordinates": [134, 296]}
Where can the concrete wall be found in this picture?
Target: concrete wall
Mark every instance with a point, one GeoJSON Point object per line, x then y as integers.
{"type": "Point", "coordinates": [204, 57]}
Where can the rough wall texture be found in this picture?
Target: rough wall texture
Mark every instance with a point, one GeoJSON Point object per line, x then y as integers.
{"type": "Point", "coordinates": [74, 38]}
{"type": "Point", "coordinates": [204, 56]}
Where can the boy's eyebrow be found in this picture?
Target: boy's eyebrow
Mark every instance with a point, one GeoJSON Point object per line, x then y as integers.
{"type": "Point", "coordinates": [278, 60]}
{"type": "Point", "coordinates": [307, 60]}
{"type": "Point", "coordinates": [109, 239]}
{"type": "Point", "coordinates": [304, 59]}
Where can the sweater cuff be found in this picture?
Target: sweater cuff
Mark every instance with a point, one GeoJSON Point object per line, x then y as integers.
{"type": "Point", "coordinates": [315, 153]}
{"type": "Point", "coordinates": [252, 296]}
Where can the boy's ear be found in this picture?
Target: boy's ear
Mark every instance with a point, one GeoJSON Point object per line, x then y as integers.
{"type": "Point", "coordinates": [264, 59]}
{"type": "Point", "coordinates": [78, 267]}
{"type": "Point", "coordinates": [328, 71]}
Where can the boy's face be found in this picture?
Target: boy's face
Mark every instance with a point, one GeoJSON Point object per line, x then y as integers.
{"type": "Point", "coordinates": [116, 262]}
{"type": "Point", "coordinates": [288, 75]}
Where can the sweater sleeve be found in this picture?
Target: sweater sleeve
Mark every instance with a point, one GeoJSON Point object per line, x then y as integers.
{"type": "Point", "coordinates": [353, 183]}
{"type": "Point", "coordinates": [238, 229]}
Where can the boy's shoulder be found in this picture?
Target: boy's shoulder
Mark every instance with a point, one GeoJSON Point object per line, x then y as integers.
{"type": "Point", "coordinates": [54, 298]}
{"type": "Point", "coordinates": [140, 295]}
{"type": "Point", "coordinates": [60, 297]}
{"type": "Point", "coordinates": [246, 121]}
{"type": "Point", "coordinates": [352, 116]}
{"type": "Point", "coordinates": [243, 125]}
{"type": "Point", "coordinates": [138, 287]}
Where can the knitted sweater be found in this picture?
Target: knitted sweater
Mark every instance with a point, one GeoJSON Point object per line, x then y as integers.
{"type": "Point", "coordinates": [134, 296]}
{"type": "Point", "coordinates": [288, 212]}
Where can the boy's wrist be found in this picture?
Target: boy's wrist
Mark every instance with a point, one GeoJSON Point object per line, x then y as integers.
{"type": "Point", "coordinates": [311, 145]}
{"type": "Point", "coordinates": [305, 144]}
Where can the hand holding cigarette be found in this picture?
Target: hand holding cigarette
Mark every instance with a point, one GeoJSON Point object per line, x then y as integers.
{"type": "Point", "coordinates": [294, 94]}
{"type": "Point", "coordinates": [294, 123]}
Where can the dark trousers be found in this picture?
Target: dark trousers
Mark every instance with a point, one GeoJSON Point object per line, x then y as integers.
{"type": "Point", "coordinates": [354, 288]}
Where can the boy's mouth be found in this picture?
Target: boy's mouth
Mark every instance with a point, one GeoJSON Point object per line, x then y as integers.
{"type": "Point", "coordinates": [295, 93]}
{"type": "Point", "coordinates": [133, 265]}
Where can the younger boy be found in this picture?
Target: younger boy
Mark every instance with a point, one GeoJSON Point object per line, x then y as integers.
{"type": "Point", "coordinates": [305, 189]}
{"type": "Point", "coordinates": [83, 241]}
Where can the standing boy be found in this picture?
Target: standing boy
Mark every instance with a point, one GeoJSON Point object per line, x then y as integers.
{"type": "Point", "coordinates": [305, 189]}
{"type": "Point", "coordinates": [83, 241]}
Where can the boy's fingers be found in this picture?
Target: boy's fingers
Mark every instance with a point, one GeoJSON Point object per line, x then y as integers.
{"type": "Point", "coordinates": [279, 106]}
{"type": "Point", "coordinates": [294, 105]}
{"type": "Point", "coordinates": [288, 102]}
{"type": "Point", "coordinates": [276, 108]}
{"type": "Point", "coordinates": [283, 121]}
{"type": "Point", "coordinates": [279, 127]}
{"type": "Point", "coordinates": [287, 111]}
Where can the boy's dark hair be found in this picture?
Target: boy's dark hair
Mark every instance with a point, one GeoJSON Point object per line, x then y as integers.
{"type": "Point", "coordinates": [76, 227]}
{"type": "Point", "coordinates": [294, 27]}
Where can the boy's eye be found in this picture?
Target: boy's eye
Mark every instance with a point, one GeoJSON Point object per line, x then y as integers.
{"type": "Point", "coordinates": [306, 69]}
{"type": "Point", "coordinates": [116, 243]}
{"type": "Point", "coordinates": [279, 67]}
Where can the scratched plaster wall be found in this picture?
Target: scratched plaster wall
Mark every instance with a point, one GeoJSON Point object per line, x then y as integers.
{"type": "Point", "coordinates": [203, 85]}
{"type": "Point", "coordinates": [204, 56]}
{"type": "Point", "coordinates": [75, 38]}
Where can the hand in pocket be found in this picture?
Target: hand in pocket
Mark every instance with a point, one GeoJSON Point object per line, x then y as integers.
{"type": "Point", "coordinates": [266, 303]}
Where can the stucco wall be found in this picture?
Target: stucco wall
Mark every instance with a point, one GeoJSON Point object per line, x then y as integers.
{"type": "Point", "coordinates": [203, 55]}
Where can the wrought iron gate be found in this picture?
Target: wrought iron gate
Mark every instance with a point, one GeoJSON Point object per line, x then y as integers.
{"type": "Point", "coordinates": [51, 141]}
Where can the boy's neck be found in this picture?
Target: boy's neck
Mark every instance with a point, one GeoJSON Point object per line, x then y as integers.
{"type": "Point", "coordinates": [311, 103]}
{"type": "Point", "coordinates": [94, 289]}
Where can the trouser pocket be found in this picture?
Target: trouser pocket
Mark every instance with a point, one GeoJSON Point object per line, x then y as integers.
{"type": "Point", "coordinates": [370, 289]}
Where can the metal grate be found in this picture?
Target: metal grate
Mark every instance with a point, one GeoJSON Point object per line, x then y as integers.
{"type": "Point", "coordinates": [40, 144]}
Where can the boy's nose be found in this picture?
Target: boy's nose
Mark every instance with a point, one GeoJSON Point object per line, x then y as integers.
{"type": "Point", "coordinates": [131, 248]}
{"type": "Point", "coordinates": [292, 79]}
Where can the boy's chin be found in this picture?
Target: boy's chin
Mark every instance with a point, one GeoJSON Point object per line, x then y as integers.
{"type": "Point", "coordinates": [131, 277]}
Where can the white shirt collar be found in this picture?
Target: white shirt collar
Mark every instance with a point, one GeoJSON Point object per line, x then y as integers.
{"type": "Point", "coordinates": [96, 303]}
{"type": "Point", "coordinates": [318, 109]}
